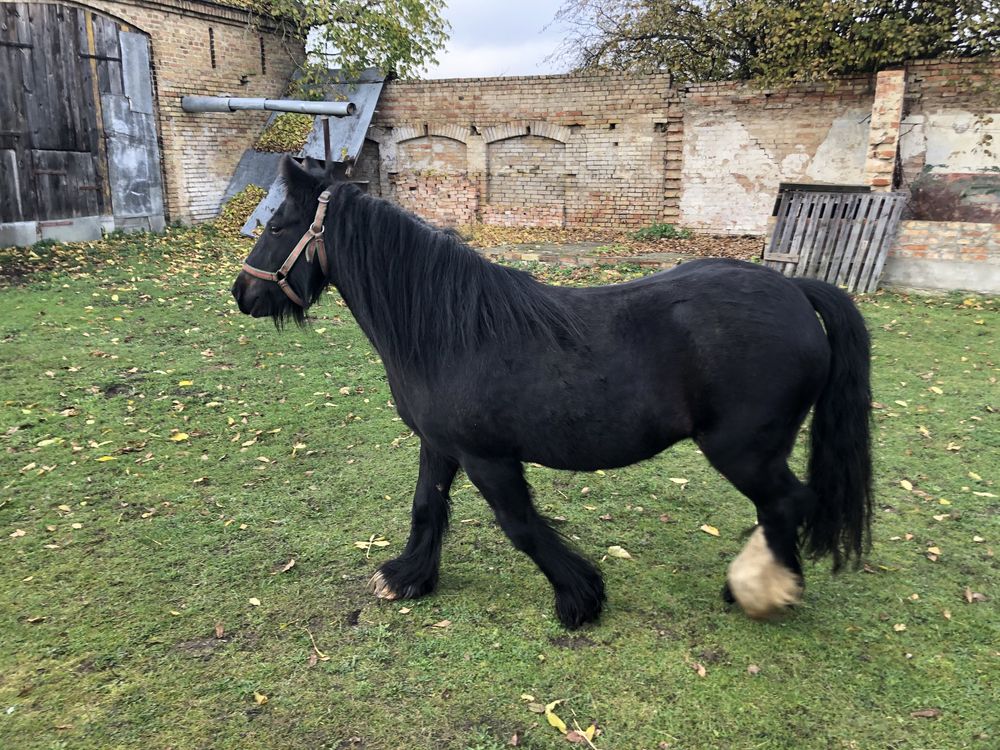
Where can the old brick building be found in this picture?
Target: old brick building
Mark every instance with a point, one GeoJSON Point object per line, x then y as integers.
{"type": "Point", "coordinates": [538, 151]}
{"type": "Point", "coordinates": [92, 135]}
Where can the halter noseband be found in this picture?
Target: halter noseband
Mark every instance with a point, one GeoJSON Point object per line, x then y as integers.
{"type": "Point", "coordinates": [311, 240]}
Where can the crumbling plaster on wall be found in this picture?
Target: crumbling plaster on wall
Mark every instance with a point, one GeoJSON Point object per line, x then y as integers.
{"type": "Point", "coordinates": [840, 158]}
{"type": "Point", "coordinates": [949, 141]}
{"type": "Point", "coordinates": [732, 168]}
{"type": "Point", "coordinates": [726, 177]}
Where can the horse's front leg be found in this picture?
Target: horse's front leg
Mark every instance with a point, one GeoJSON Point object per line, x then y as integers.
{"type": "Point", "coordinates": [578, 585]}
{"type": "Point", "coordinates": [415, 572]}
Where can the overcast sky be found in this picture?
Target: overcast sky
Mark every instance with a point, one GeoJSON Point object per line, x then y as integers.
{"type": "Point", "coordinates": [499, 39]}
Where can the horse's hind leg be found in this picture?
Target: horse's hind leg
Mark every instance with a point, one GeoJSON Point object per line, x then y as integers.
{"type": "Point", "coordinates": [579, 588]}
{"type": "Point", "coordinates": [766, 577]}
{"type": "Point", "coordinates": [415, 572]}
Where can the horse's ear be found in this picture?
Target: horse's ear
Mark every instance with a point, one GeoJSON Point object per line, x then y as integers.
{"type": "Point", "coordinates": [312, 166]}
{"type": "Point", "coordinates": [300, 184]}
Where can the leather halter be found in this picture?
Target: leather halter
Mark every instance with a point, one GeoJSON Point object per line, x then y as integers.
{"type": "Point", "coordinates": [311, 241]}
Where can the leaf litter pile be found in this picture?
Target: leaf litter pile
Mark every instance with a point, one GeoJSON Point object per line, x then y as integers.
{"type": "Point", "coordinates": [192, 504]}
{"type": "Point", "coordinates": [616, 243]}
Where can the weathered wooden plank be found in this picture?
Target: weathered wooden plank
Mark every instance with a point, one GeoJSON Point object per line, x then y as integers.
{"type": "Point", "coordinates": [827, 207]}
{"type": "Point", "coordinates": [12, 206]}
{"type": "Point", "coordinates": [850, 241]}
{"type": "Point", "coordinates": [875, 246]}
{"type": "Point", "coordinates": [797, 240]}
{"type": "Point", "coordinates": [828, 227]}
{"type": "Point", "coordinates": [864, 244]}
{"type": "Point", "coordinates": [781, 257]}
{"type": "Point", "coordinates": [839, 237]}
{"type": "Point", "coordinates": [787, 244]}
{"type": "Point", "coordinates": [109, 56]}
{"type": "Point", "coordinates": [60, 175]}
{"type": "Point", "coordinates": [892, 226]}
{"type": "Point", "coordinates": [781, 226]}
{"type": "Point", "coordinates": [821, 223]}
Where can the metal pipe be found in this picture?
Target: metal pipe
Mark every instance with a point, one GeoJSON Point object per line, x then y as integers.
{"type": "Point", "coordinates": [233, 104]}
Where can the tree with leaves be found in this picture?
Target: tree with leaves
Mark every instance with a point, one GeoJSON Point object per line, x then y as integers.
{"type": "Point", "coordinates": [773, 41]}
{"type": "Point", "coordinates": [395, 36]}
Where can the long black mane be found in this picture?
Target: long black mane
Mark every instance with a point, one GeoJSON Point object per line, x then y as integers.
{"type": "Point", "coordinates": [421, 294]}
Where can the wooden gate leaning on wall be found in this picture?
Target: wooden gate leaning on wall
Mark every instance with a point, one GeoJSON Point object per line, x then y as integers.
{"type": "Point", "coordinates": [842, 238]}
{"type": "Point", "coordinates": [78, 142]}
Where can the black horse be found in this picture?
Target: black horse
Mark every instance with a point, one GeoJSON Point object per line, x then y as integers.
{"type": "Point", "coordinates": [491, 368]}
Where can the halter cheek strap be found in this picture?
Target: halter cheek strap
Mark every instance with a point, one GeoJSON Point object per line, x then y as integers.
{"type": "Point", "coordinates": [311, 243]}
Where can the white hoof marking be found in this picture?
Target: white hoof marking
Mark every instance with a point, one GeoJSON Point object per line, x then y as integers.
{"type": "Point", "coordinates": [760, 584]}
{"type": "Point", "coordinates": [380, 587]}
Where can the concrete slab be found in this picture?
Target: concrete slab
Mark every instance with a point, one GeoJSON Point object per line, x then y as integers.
{"type": "Point", "coordinates": [941, 275]}
{"type": "Point", "coordinates": [80, 229]}
{"type": "Point", "coordinates": [18, 233]}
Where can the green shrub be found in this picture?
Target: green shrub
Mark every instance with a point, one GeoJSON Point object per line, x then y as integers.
{"type": "Point", "coordinates": [661, 232]}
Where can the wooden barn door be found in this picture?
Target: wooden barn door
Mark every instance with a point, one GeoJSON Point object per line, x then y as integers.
{"type": "Point", "coordinates": [78, 147]}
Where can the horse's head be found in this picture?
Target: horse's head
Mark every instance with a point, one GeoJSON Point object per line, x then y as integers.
{"type": "Point", "coordinates": [287, 269]}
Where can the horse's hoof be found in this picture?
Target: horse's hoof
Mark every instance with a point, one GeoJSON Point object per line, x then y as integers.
{"type": "Point", "coordinates": [577, 607]}
{"type": "Point", "coordinates": [760, 584]}
{"type": "Point", "coordinates": [380, 587]}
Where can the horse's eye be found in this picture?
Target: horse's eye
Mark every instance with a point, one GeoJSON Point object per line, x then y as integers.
{"type": "Point", "coordinates": [274, 230]}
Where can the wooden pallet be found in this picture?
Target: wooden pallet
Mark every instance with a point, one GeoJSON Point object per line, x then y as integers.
{"type": "Point", "coordinates": [842, 238]}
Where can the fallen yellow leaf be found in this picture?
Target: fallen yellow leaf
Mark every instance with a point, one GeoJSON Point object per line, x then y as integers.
{"type": "Point", "coordinates": [259, 698]}
{"type": "Point", "coordinates": [899, 627]}
{"type": "Point", "coordinates": [620, 552]}
{"type": "Point", "coordinates": [178, 437]}
{"type": "Point", "coordinates": [554, 720]}
{"type": "Point", "coordinates": [185, 382]}
{"type": "Point", "coordinates": [254, 601]}
{"type": "Point", "coordinates": [906, 485]}
{"type": "Point", "coordinates": [709, 529]}
{"type": "Point", "coordinates": [107, 458]}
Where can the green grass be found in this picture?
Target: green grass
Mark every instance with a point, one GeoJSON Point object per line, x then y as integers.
{"type": "Point", "coordinates": [110, 599]}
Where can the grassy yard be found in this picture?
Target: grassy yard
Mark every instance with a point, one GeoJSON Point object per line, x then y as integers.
{"type": "Point", "coordinates": [163, 460]}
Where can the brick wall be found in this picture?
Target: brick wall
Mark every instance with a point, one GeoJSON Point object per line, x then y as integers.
{"type": "Point", "coordinates": [548, 150]}
{"type": "Point", "coordinates": [200, 151]}
{"type": "Point", "coordinates": [948, 240]}
{"type": "Point", "coordinates": [621, 151]}
{"type": "Point", "coordinates": [947, 255]}
{"type": "Point", "coordinates": [740, 142]}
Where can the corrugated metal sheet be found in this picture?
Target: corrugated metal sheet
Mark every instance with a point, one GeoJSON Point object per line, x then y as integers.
{"type": "Point", "coordinates": [130, 128]}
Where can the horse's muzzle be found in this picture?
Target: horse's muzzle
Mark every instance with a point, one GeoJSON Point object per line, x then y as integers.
{"type": "Point", "coordinates": [251, 296]}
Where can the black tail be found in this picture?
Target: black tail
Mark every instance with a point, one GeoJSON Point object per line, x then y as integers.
{"type": "Point", "coordinates": [840, 464]}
